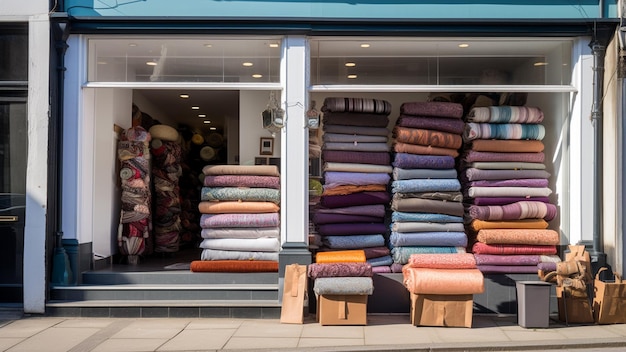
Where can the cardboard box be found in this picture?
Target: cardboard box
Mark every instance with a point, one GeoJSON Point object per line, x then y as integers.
{"type": "Point", "coordinates": [342, 309]}
{"type": "Point", "coordinates": [442, 310]}
{"type": "Point", "coordinates": [573, 308]}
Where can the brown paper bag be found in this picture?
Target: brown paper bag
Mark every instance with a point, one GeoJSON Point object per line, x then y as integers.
{"type": "Point", "coordinates": [294, 294]}
{"type": "Point", "coordinates": [609, 301]}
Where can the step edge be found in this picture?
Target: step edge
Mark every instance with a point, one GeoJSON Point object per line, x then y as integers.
{"type": "Point", "coordinates": [165, 303]}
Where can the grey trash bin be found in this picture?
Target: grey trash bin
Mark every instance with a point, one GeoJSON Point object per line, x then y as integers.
{"type": "Point", "coordinates": [533, 304]}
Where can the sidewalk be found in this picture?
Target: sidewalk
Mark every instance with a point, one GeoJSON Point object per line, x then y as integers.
{"type": "Point", "coordinates": [383, 333]}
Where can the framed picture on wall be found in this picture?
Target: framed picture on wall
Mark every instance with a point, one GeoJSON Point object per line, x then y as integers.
{"type": "Point", "coordinates": [266, 146]}
{"type": "Point", "coordinates": [260, 161]}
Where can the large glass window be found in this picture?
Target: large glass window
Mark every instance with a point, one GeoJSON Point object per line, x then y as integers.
{"type": "Point", "coordinates": [13, 53]}
{"type": "Point", "coordinates": [172, 59]}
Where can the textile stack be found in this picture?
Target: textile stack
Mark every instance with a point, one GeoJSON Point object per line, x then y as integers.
{"type": "Point", "coordinates": [442, 288]}
{"type": "Point", "coordinates": [166, 170]}
{"type": "Point", "coordinates": [427, 203]}
{"type": "Point", "coordinates": [342, 280]}
{"type": "Point", "coordinates": [356, 174]}
{"type": "Point", "coordinates": [239, 219]}
{"type": "Point", "coordinates": [133, 153]}
{"type": "Point", "coordinates": [506, 187]}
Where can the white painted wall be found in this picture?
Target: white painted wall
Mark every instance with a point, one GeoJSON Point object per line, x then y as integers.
{"type": "Point", "coordinates": [251, 105]}
{"type": "Point", "coordinates": [13, 10]}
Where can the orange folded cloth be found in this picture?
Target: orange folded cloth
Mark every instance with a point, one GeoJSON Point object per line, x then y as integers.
{"type": "Point", "coordinates": [234, 266]}
{"type": "Point", "coordinates": [349, 189]}
{"type": "Point", "coordinates": [235, 207]}
{"type": "Point", "coordinates": [350, 256]}
{"type": "Point", "coordinates": [443, 281]}
{"type": "Point", "coordinates": [518, 236]}
{"type": "Point", "coordinates": [513, 146]}
{"type": "Point", "coordinates": [442, 261]}
{"type": "Point", "coordinates": [510, 224]}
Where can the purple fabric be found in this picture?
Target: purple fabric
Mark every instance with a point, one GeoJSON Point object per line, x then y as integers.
{"type": "Point", "coordinates": [396, 268]}
{"type": "Point", "coordinates": [338, 178]}
{"type": "Point", "coordinates": [347, 242]}
{"type": "Point", "coordinates": [325, 218]}
{"type": "Point", "coordinates": [506, 200]}
{"type": "Point", "coordinates": [377, 210]}
{"type": "Point", "coordinates": [413, 161]}
{"type": "Point", "coordinates": [546, 266]}
{"type": "Point", "coordinates": [494, 259]}
{"type": "Point", "coordinates": [508, 269]}
{"type": "Point", "coordinates": [472, 156]}
{"type": "Point", "coordinates": [383, 269]}
{"type": "Point", "coordinates": [432, 108]}
{"type": "Point", "coordinates": [525, 182]}
{"type": "Point", "coordinates": [242, 181]}
{"type": "Point", "coordinates": [355, 119]}
{"type": "Point", "coordinates": [343, 104]}
{"type": "Point", "coordinates": [450, 125]}
{"type": "Point", "coordinates": [514, 211]}
{"type": "Point", "coordinates": [346, 156]}
{"type": "Point", "coordinates": [239, 220]}
{"type": "Point", "coordinates": [473, 174]}
{"type": "Point", "coordinates": [351, 229]}
{"type": "Point", "coordinates": [361, 198]}
{"type": "Point", "coordinates": [375, 252]}
{"type": "Point", "coordinates": [362, 130]}
{"type": "Point", "coordinates": [317, 270]}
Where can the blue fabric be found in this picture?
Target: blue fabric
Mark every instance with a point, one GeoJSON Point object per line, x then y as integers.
{"type": "Point", "coordinates": [423, 185]}
{"type": "Point", "coordinates": [381, 261]}
{"type": "Point", "coordinates": [453, 239]}
{"type": "Point", "coordinates": [432, 217]}
{"type": "Point", "coordinates": [353, 241]}
{"type": "Point", "coordinates": [401, 255]}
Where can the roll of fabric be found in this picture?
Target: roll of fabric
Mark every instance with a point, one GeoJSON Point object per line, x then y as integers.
{"type": "Point", "coordinates": [353, 138]}
{"type": "Point", "coordinates": [252, 181]}
{"type": "Point", "coordinates": [355, 119]}
{"type": "Point", "coordinates": [493, 259]}
{"type": "Point", "coordinates": [360, 130]}
{"type": "Point", "coordinates": [377, 210]}
{"type": "Point", "coordinates": [452, 239]}
{"type": "Point", "coordinates": [443, 261]}
{"type": "Point", "coordinates": [508, 249]}
{"type": "Point", "coordinates": [259, 170]}
{"type": "Point", "coordinates": [515, 211]}
{"type": "Point", "coordinates": [432, 108]}
{"type": "Point", "coordinates": [237, 207]}
{"type": "Point", "coordinates": [476, 156]}
{"type": "Point", "coordinates": [423, 185]}
{"type": "Point", "coordinates": [380, 261]}
{"type": "Point", "coordinates": [413, 161]}
{"type": "Point", "coordinates": [427, 137]}
{"type": "Point", "coordinates": [215, 254]}
{"type": "Point", "coordinates": [429, 206]}
{"type": "Point", "coordinates": [335, 190]}
{"type": "Point", "coordinates": [505, 114]}
{"type": "Point", "coordinates": [524, 182]}
{"type": "Point", "coordinates": [239, 220]}
{"type": "Point", "coordinates": [505, 200]}
{"type": "Point", "coordinates": [508, 269]}
{"type": "Point", "coordinates": [451, 125]}
{"type": "Point", "coordinates": [341, 104]}
{"type": "Point", "coordinates": [381, 269]}
{"type": "Point", "coordinates": [351, 229]}
{"type": "Point", "coordinates": [473, 174]}
{"type": "Point", "coordinates": [359, 286]}
{"type": "Point", "coordinates": [233, 266]}
{"type": "Point", "coordinates": [518, 236]}
{"type": "Point", "coordinates": [362, 198]}
{"type": "Point", "coordinates": [398, 216]}
{"type": "Point", "coordinates": [423, 149]}
{"type": "Point", "coordinates": [477, 224]}
{"type": "Point", "coordinates": [508, 146]}
{"type": "Point", "coordinates": [506, 165]}
{"type": "Point", "coordinates": [348, 256]}
{"type": "Point", "coordinates": [503, 131]}
{"type": "Point", "coordinates": [408, 174]}
{"type": "Point", "coordinates": [424, 226]}
{"type": "Point", "coordinates": [316, 270]}
{"type": "Point", "coordinates": [401, 255]}
{"type": "Point", "coordinates": [443, 281]}
{"type": "Point", "coordinates": [325, 218]}
{"type": "Point", "coordinates": [263, 244]}
{"type": "Point", "coordinates": [375, 252]}
{"type": "Point", "coordinates": [241, 232]}
{"type": "Point", "coordinates": [353, 241]}
{"type": "Point", "coordinates": [508, 192]}
{"type": "Point", "coordinates": [448, 196]}
{"type": "Point", "coordinates": [334, 178]}
{"type": "Point", "coordinates": [353, 167]}
{"type": "Point", "coordinates": [164, 132]}
{"type": "Point", "coordinates": [343, 156]}
{"type": "Point", "coordinates": [357, 147]}
{"type": "Point", "coordinates": [212, 194]}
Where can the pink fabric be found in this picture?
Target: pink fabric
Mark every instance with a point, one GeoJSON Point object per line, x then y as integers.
{"type": "Point", "coordinates": [442, 261]}
{"type": "Point", "coordinates": [518, 236]}
{"type": "Point", "coordinates": [443, 281]}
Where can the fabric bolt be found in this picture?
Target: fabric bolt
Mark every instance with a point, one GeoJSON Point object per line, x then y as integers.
{"type": "Point", "coordinates": [508, 191]}
{"type": "Point", "coordinates": [357, 147]}
{"type": "Point", "coordinates": [518, 236]}
{"type": "Point", "coordinates": [442, 261]}
{"type": "Point", "coordinates": [452, 239]}
{"type": "Point", "coordinates": [377, 210]}
{"type": "Point", "coordinates": [546, 266]}
{"type": "Point", "coordinates": [345, 156]}
{"type": "Point", "coordinates": [215, 254]}
{"type": "Point", "coordinates": [358, 285]}
{"type": "Point", "coordinates": [381, 269]}
{"type": "Point", "coordinates": [506, 145]}
{"type": "Point", "coordinates": [514, 211]}
{"type": "Point", "coordinates": [355, 119]}
{"type": "Point", "coordinates": [353, 138]}
{"type": "Point", "coordinates": [503, 131]}
{"type": "Point", "coordinates": [450, 125]}
{"type": "Point", "coordinates": [400, 216]}
{"type": "Point", "coordinates": [351, 229]}
{"type": "Point", "coordinates": [239, 220]}
{"type": "Point", "coordinates": [242, 232]}
{"type": "Point", "coordinates": [353, 241]}
{"type": "Point", "coordinates": [353, 167]}
{"type": "Point", "coordinates": [453, 196]}
{"type": "Point", "coordinates": [326, 218]}
{"type": "Point", "coordinates": [505, 200]}
{"type": "Point", "coordinates": [413, 161]}
{"type": "Point", "coordinates": [386, 260]}
{"type": "Point", "coordinates": [341, 104]}
{"type": "Point", "coordinates": [494, 259]}
{"type": "Point", "coordinates": [361, 198]}
{"type": "Point", "coordinates": [443, 281]}
{"type": "Point", "coordinates": [263, 244]}
{"type": "Point", "coordinates": [242, 181]}
{"type": "Point", "coordinates": [508, 269]}
{"type": "Point", "coordinates": [552, 258]}
{"type": "Point", "coordinates": [237, 207]}
{"type": "Point", "coordinates": [475, 156]}
{"type": "Point", "coordinates": [423, 149]}
{"type": "Point", "coordinates": [335, 178]}
{"type": "Point", "coordinates": [473, 174]}
{"type": "Point", "coordinates": [506, 165]}
{"type": "Point", "coordinates": [524, 182]}
{"type": "Point", "coordinates": [424, 226]}
{"type": "Point", "coordinates": [396, 268]}
{"type": "Point", "coordinates": [509, 249]}
{"type": "Point", "coordinates": [505, 114]}
{"type": "Point", "coordinates": [350, 189]}
{"type": "Point", "coordinates": [360, 130]}
{"type": "Point", "coordinates": [421, 185]}
{"type": "Point", "coordinates": [428, 206]}
{"type": "Point", "coordinates": [233, 266]}
{"type": "Point", "coordinates": [346, 256]}
{"type": "Point", "coordinates": [432, 108]}
{"type": "Point", "coordinates": [477, 225]}
{"type": "Point", "coordinates": [260, 170]}
{"type": "Point", "coordinates": [213, 194]}
{"type": "Point", "coordinates": [375, 252]}
{"type": "Point", "coordinates": [166, 170]}
{"type": "Point", "coordinates": [401, 255]}
{"type": "Point", "coordinates": [408, 174]}
{"type": "Point", "coordinates": [427, 137]}
{"type": "Point", "coordinates": [316, 270]}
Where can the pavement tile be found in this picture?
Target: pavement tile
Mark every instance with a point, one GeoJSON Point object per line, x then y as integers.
{"type": "Point", "coordinates": [261, 342]}
{"type": "Point", "coordinates": [152, 328]}
{"type": "Point", "coordinates": [129, 345]}
{"type": "Point", "coordinates": [8, 342]}
{"type": "Point", "coordinates": [456, 335]}
{"type": "Point", "coordinates": [86, 323]}
{"type": "Point", "coordinates": [396, 334]}
{"type": "Point", "coordinates": [329, 342]}
{"type": "Point", "coordinates": [260, 328]}
{"type": "Point", "coordinates": [522, 334]}
{"type": "Point", "coordinates": [54, 339]}
{"type": "Point", "coordinates": [214, 323]}
{"type": "Point", "coordinates": [317, 330]}
{"type": "Point", "coordinates": [581, 332]}
{"type": "Point", "coordinates": [27, 327]}
{"type": "Point", "coordinates": [198, 340]}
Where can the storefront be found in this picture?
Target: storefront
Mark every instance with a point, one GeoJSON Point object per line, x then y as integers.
{"type": "Point", "coordinates": [193, 74]}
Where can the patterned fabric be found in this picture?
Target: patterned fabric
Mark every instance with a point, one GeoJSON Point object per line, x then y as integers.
{"type": "Point", "coordinates": [240, 194]}
{"type": "Point", "coordinates": [507, 146]}
{"type": "Point", "coordinates": [428, 206]}
{"type": "Point", "coordinates": [242, 181]}
{"type": "Point", "coordinates": [505, 200]}
{"type": "Point", "coordinates": [241, 232]}
{"type": "Point", "coordinates": [524, 182]}
{"type": "Point", "coordinates": [473, 174]}
{"type": "Point", "coordinates": [407, 174]}
{"type": "Point", "coordinates": [518, 236]}
{"type": "Point", "coordinates": [452, 196]}
{"type": "Point", "coordinates": [452, 239]}
{"type": "Point", "coordinates": [434, 109]}
{"type": "Point", "coordinates": [493, 259]}
{"type": "Point", "coordinates": [473, 155]}
{"type": "Point", "coordinates": [315, 270]}
{"type": "Point", "coordinates": [505, 114]}
{"type": "Point", "coordinates": [214, 254]}
{"type": "Point", "coordinates": [443, 281]}
{"type": "Point", "coordinates": [423, 226]}
{"type": "Point", "coordinates": [237, 207]}
{"type": "Point", "coordinates": [451, 125]}
{"type": "Point", "coordinates": [427, 137]}
{"type": "Point", "coordinates": [519, 210]}
{"type": "Point", "coordinates": [398, 216]}
{"type": "Point", "coordinates": [333, 178]}
{"type": "Point", "coordinates": [242, 244]}
{"type": "Point", "coordinates": [260, 170]}
{"type": "Point", "coordinates": [413, 161]}
{"type": "Point", "coordinates": [340, 104]}
{"type": "Point", "coordinates": [401, 255]}
{"type": "Point", "coordinates": [443, 261]}
{"type": "Point", "coordinates": [506, 165]}
{"type": "Point", "coordinates": [508, 269]}
{"type": "Point", "coordinates": [239, 220]}
{"type": "Point", "coordinates": [503, 131]}
{"type": "Point", "coordinates": [343, 286]}
{"type": "Point", "coordinates": [508, 249]}
{"type": "Point", "coordinates": [349, 189]}
{"type": "Point", "coordinates": [420, 185]}
{"type": "Point", "coordinates": [353, 241]}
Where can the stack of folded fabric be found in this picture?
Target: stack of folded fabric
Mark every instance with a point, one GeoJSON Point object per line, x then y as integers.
{"type": "Point", "coordinates": [342, 278]}
{"type": "Point", "coordinates": [427, 203]}
{"type": "Point", "coordinates": [442, 278]}
{"type": "Point", "coordinates": [506, 188]}
{"type": "Point", "coordinates": [240, 218]}
{"type": "Point", "coordinates": [356, 174]}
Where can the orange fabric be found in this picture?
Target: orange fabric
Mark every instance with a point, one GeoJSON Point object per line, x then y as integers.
{"type": "Point", "coordinates": [237, 207]}
{"type": "Point", "coordinates": [499, 145]}
{"type": "Point", "coordinates": [350, 256]}
{"type": "Point", "coordinates": [511, 224]}
{"type": "Point", "coordinates": [234, 266]}
{"type": "Point", "coordinates": [349, 189]}
{"type": "Point", "coordinates": [423, 149]}
{"type": "Point", "coordinates": [518, 236]}
{"type": "Point", "coordinates": [443, 281]}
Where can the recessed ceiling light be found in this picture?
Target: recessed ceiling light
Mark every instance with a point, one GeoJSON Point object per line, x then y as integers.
{"type": "Point", "coordinates": [195, 108]}
{"type": "Point", "coordinates": [273, 45]}
{"type": "Point", "coordinates": [365, 45]}
{"type": "Point", "coordinates": [208, 45]}
{"type": "Point", "coordinates": [463, 45]}
{"type": "Point", "coordinates": [536, 64]}
{"type": "Point", "coordinates": [132, 44]}
{"type": "Point", "coordinates": [257, 75]}
{"type": "Point", "coordinates": [206, 122]}
{"type": "Point", "coordinates": [201, 115]}
{"type": "Point", "coordinates": [248, 64]}
{"type": "Point", "coordinates": [352, 76]}
{"type": "Point", "coordinates": [212, 128]}
{"type": "Point", "coordinates": [151, 63]}
{"type": "Point", "coordinates": [350, 64]}
{"type": "Point", "coordinates": [184, 96]}
{"type": "Point", "coordinates": [101, 62]}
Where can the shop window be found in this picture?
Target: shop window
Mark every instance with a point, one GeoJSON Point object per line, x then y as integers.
{"type": "Point", "coordinates": [13, 53]}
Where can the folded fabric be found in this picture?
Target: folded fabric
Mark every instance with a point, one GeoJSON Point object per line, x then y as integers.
{"type": "Point", "coordinates": [518, 236]}
{"type": "Point", "coordinates": [355, 119]}
{"type": "Point", "coordinates": [343, 286]}
{"type": "Point", "coordinates": [423, 185]}
{"type": "Point", "coordinates": [233, 266]}
{"type": "Point", "coordinates": [263, 244]}
{"type": "Point", "coordinates": [503, 131]}
{"type": "Point", "coordinates": [413, 161]}
{"type": "Point", "coordinates": [426, 226]}
{"type": "Point", "coordinates": [341, 104]}
{"type": "Point", "coordinates": [508, 191]}
{"type": "Point", "coordinates": [407, 174]}
{"type": "Point", "coordinates": [401, 255]}
{"type": "Point", "coordinates": [508, 269]}
{"type": "Point", "coordinates": [449, 196]}
{"type": "Point", "coordinates": [524, 182]}
{"type": "Point", "coordinates": [399, 216]}
{"type": "Point", "coordinates": [509, 146]}
{"type": "Point", "coordinates": [243, 232]}
{"type": "Point", "coordinates": [423, 149]}
{"type": "Point", "coordinates": [377, 210]}
{"type": "Point", "coordinates": [325, 218]}
{"type": "Point", "coordinates": [452, 239]}
{"type": "Point", "coordinates": [351, 229]}
{"type": "Point", "coordinates": [432, 108]}
{"type": "Point", "coordinates": [427, 137]}
{"type": "Point", "coordinates": [451, 125]}
{"type": "Point", "coordinates": [442, 261]}
{"type": "Point", "coordinates": [375, 252]}
{"type": "Point", "coordinates": [361, 198]}
{"type": "Point", "coordinates": [518, 259]}
{"type": "Point", "coordinates": [357, 146]}
{"type": "Point", "coordinates": [506, 249]}
{"type": "Point", "coordinates": [212, 194]}
{"type": "Point", "coordinates": [473, 174]}
{"type": "Point", "coordinates": [354, 167]}
{"type": "Point", "coordinates": [346, 156]}
{"type": "Point", "coordinates": [477, 224]}
{"type": "Point", "coordinates": [506, 165]}
{"type": "Point", "coordinates": [428, 206]}
{"type": "Point", "coordinates": [334, 190]}
{"type": "Point", "coordinates": [380, 261]}
{"type": "Point", "coordinates": [237, 207]}
{"type": "Point", "coordinates": [216, 254]}
{"type": "Point", "coordinates": [473, 156]}
{"type": "Point", "coordinates": [384, 269]}
{"type": "Point", "coordinates": [353, 241]}
{"type": "Point", "coordinates": [316, 270]}
{"type": "Point", "coordinates": [443, 281]}
{"type": "Point", "coordinates": [335, 178]}
{"type": "Point", "coordinates": [505, 114]}
{"type": "Point", "coordinates": [261, 170]}
{"type": "Point", "coordinates": [505, 200]}
{"type": "Point", "coordinates": [353, 138]}
{"type": "Point", "coordinates": [514, 211]}
{"type": "Point", "coordinates": [348, 256]}
{"type": "Point", "coordinates": [239, 220]}
{"type": "Point", "coordinates": [360, 130]}
{"type": "Point", "coordinates": [242, 181]}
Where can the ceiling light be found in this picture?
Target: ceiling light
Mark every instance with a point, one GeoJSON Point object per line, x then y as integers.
{"type": "Point", "coordinates": [208, 45]}
{"type": "Point", "coordinates": [463, 45]}
{"type": "Point", "coordinates": [151, 63]}
{"type": "Point", "coordinates": [537, 64]}
{"type": "Point", "coordinates": [132, 44]}
{"type": "Point", "coordinates": [201, 115]}
{"type": "Point", "coordinates": [248, 64]}
{"type": "Point", "coordinates": [212, 128]}
{"type": "Point", "coordinates": [206, 122]}
{"type": "Point", "coordinates": [195, 108]}
{"type": "Point", "coordinates": [365, 45]}
{"type": "Point", "coordinates": [101, 62]}
{"type": "Point", "coordinates": [184, 96]}
{"type": "Point", "coordinates": [273, 45]}
{"type": "Point", "coordinates": [351, 76]}
{"type": "Point", "coordinates": [257, 75]}
{"type": "Point", "coordinates": [350, 64]}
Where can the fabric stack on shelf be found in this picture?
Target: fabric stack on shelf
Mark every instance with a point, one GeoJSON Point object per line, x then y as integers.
{"type": "Point", "coordinates": [506, 187]}
{"type": "Point", "coordinates": [356, 175]}
{"type": "Point", "coordinates": [166, 170]}
{"type": "Point", "coordinates": [135, 230]}
{"type": "Point", "coordinates": [240, 219]}
{"type": "Point", "coordinates": [427, 203]}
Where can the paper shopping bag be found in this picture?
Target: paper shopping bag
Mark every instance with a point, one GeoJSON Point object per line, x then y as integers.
{"type": "Point", "coordinates": [294, 294]}
{"type": "Point", "coordinates": [609, 301]}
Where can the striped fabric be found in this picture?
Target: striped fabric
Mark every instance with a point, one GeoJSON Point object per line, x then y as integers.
{"type": "Point", "coordinates": [338, 104]}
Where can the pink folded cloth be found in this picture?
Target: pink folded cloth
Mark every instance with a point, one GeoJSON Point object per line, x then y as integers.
{"type": "Point", "coordinates": [443, 281]}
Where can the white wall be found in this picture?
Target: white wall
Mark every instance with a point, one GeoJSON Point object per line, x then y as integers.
{"type": "Point", "coordinates": [251, 105]}
{"type": "Point", "coordinates": [19, 8]}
